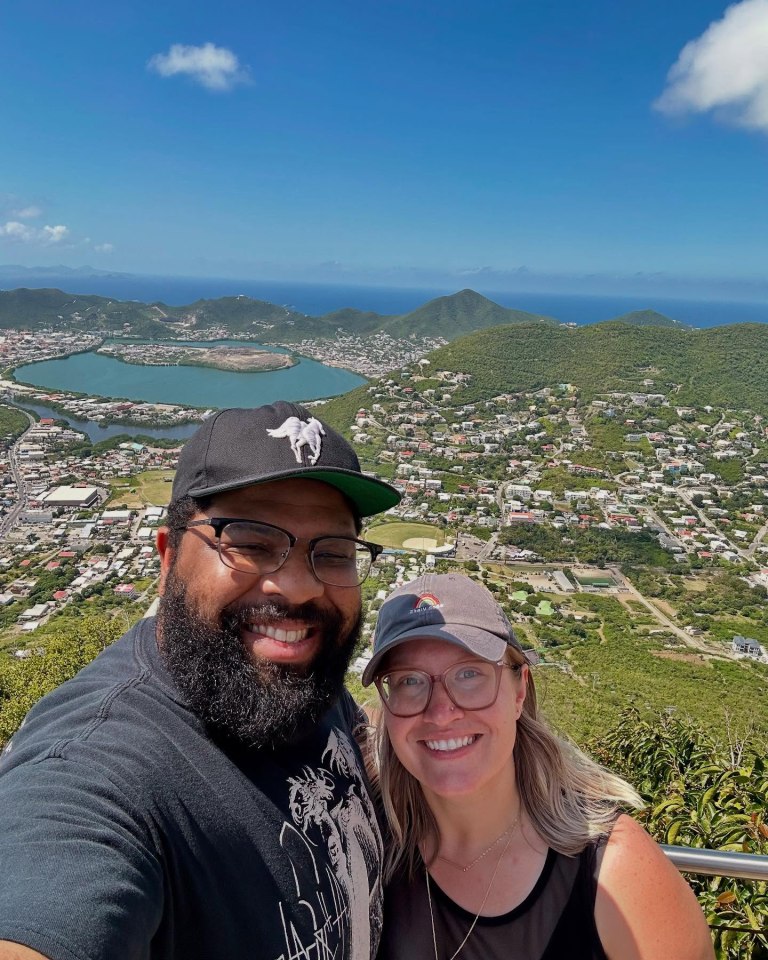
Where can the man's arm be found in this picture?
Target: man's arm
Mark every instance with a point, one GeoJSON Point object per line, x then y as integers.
{"type": "Point", "coordinates": [80, 874]}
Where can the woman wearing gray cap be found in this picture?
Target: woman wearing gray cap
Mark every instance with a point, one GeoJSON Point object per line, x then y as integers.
{"type": "Point", "coordinates": [506, 842]}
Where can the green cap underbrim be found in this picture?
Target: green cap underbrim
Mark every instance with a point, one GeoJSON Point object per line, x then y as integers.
{"type": "Point", "coordinates": [368, 494]}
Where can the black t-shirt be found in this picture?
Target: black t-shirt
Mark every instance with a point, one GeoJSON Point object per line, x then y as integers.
{"type": "Point", "coordinates": [127, 832]}
{"type": "Point", "coordinates": [555, 921]}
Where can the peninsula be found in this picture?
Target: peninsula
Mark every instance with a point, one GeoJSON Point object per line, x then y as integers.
{"type": "Point", "coordinates": [233, 359]}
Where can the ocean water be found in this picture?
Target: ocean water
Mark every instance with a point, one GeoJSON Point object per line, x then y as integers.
{"type": "Point", "coordinates": [316, 299]}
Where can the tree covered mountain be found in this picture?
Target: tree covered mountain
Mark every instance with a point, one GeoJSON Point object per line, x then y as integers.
{"type": "Point", "coordinates": [35, 309]}
{"type": "Point", "coordinates": [649, 318]}
{"type": "Point", "coordinates": [446, 317]}
{"type": "Point", "coordinates": [722, 366]}
{"type": "Point", "coordinates": [458, 314]}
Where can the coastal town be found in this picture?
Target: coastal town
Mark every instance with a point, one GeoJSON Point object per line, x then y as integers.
{"type": "Point", "coordinates": [498, 486]}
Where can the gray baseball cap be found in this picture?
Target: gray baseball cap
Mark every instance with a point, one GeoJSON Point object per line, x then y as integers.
{"type": "Point", "coordinates": [237, 448]}
{"type": "Point", "coordinates": [442, 606]}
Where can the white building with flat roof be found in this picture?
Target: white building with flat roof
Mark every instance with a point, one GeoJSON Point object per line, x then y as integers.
{"type": "Point", "coordinates": [82, 497]}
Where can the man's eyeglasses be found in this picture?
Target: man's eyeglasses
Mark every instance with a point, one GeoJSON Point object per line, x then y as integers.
{"type": "Point", "coordinates": [470, 684]}
{"type": "Point", "coordinates": [261, 548]}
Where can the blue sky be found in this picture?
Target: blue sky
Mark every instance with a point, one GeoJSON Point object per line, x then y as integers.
{"type": "Point", "coordinates": [532, 143]}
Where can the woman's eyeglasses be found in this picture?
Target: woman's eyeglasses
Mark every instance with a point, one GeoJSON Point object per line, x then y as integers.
{"type": "Point", "coordinates": [470, 684]}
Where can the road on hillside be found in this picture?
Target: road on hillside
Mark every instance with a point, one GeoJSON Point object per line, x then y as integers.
{"type": "Point", "coordinates": [710, 524]}
{"type": "Point", "coordinates": [759, 537]}
{"type": "Point", "coordinates": [11, 517]}
{"type": "Point", "coordinates": [663, 619]}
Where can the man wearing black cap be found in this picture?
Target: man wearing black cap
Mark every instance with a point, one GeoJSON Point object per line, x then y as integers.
{"type": "Point", "coordinates": [196, 791]}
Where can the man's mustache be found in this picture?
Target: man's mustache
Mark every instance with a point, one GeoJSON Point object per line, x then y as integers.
{"type": "Point", "coordinates": [239, 615]}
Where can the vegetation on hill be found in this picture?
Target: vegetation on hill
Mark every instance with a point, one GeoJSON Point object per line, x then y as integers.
{"type": "Point", "coordinates": [461, 313]}
{"type": "Point", "coordinates": [340, 411]}
{"type": "Point", "coordinates": [35, 309]}
{"type": "Point", "coordinates": [349, 319]}
{"type": "Point", "coordinates": [722, 366]}
{"type": "Point", "coordinates": [12, 423]}
{"type": "Point", "coordinates": [701, 794]}
{"type": "Point", "coordinates": [591, 545]}
{"type": "Point", "coordinates": [237, 314]}
{"type": "Point", "coordinates": [446, 317]}
{"type": "Point", "coordinates": [68, 646]}
{"type": "Point", "coordinates": [610, 660]}
{"type": "Point", "coordinates": [649, 318]}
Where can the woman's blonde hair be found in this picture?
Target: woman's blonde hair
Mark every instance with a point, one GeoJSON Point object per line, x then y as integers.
{"type": "Point", "coordinates": [568, 798]}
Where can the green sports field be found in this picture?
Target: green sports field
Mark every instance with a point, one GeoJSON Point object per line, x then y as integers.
{"type": "Point", "coordinates": [409, 536]}
{"type": "Point", "coordinates": [596, 581]}
{"type": "Point", "coordinates": [150, 488]}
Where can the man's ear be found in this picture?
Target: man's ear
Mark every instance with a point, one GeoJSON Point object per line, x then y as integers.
{"type": "Point", "coordinates": [167, 555]}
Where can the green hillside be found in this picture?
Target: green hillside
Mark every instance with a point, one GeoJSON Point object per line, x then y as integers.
{"type": "Point", "coordinates": [238, 314]}
{"type": "Point", "coordinates": [447, 317]}
{"type": "Point", "coordinates": [722, 366]}
{"type": "Point", "coordinates": [458, 314]}
{"type": "Point", "coordinates": [352, 321]}
{"type": "Point", "coordinates": [36, 309]}
{"type": "Point", "coordinates": [648, 318]}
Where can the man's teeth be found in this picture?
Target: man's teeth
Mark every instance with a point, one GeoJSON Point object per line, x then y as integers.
{"type": "Point", "coordinates": [453, 744]}
{"type": "Point", "coordinates": [284, 636]}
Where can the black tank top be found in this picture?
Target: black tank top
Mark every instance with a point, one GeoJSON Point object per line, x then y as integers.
{"type": "Point", "coordinates": [556, 921]}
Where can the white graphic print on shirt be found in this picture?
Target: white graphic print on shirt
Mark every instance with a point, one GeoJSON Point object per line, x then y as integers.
{"type": "Point", "coordinates": [339, 835]}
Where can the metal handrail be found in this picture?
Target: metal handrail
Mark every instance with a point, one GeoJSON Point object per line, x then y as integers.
{"type": "Point", "coordinates": [718, 863]}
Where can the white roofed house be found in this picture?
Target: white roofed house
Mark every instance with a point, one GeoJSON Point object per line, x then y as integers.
{"type": "Point", "coordinates": [747, 647]}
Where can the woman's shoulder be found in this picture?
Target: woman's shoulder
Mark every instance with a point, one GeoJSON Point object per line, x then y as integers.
{"type": "Point", "coordinates": [644, 909]}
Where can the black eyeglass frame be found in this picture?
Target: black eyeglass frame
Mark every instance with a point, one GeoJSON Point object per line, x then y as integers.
{"type": "Point", "coordinates": [499, 665]}
{"type": "Point", "coordinates": [220, 523]}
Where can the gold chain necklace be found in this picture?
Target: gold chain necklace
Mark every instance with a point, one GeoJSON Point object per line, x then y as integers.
{"type": "Point", "coordinates": [477, 916]}
{"type": "Point", "coordinates": [485, 852]}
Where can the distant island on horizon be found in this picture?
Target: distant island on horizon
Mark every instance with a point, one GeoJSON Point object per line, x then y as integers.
{"type": "Point", "coordinates": [371, 287]}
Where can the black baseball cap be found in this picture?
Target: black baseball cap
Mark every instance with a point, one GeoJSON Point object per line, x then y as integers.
{"type": "Point", "coordinates": [237, 448]}
{"type": "Point", "coordinates": [442, 606]}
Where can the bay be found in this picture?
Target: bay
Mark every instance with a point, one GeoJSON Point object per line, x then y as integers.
{"type": "Point", "coordinates": [95, 431]}
{"type": "Point", "coordinates": [102, 376]}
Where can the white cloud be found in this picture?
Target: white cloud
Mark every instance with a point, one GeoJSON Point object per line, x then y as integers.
{"type": "Point", "coordinates": [215, 68]}
{"type": "Point", "coordinates": [104, 247]}
{"type": "Point", "coordinates": [17, 231]}
{"type": "Point", "coordinates": [21, 232]}
{"type": "Point", "coordinates": [27, 213]}
{"type": "Point", "coordinates": [54, 234]}
{"type": "Point", "coordinates": [725, 69]}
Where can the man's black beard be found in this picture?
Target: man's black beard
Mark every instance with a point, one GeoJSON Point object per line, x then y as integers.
{"type": "Point", "coordinates": [258, 703]}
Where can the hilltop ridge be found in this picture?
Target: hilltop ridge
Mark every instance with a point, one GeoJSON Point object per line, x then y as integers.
{"type": "Point", "coordinates": [446, 317]}
{"type": "Point", "coordinates": [723, 366]}
{"type": "Point", "coordinates": [458, 314]}
{"type": "Point", "coordinates": [648, 318]}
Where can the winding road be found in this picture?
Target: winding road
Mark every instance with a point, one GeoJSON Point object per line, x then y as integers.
{"type": "Point", "coordinates": [7, 522]}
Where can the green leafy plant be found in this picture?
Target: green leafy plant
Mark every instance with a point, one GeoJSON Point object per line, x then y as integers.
{"type": "Point", "coordinates": [702, 794]}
